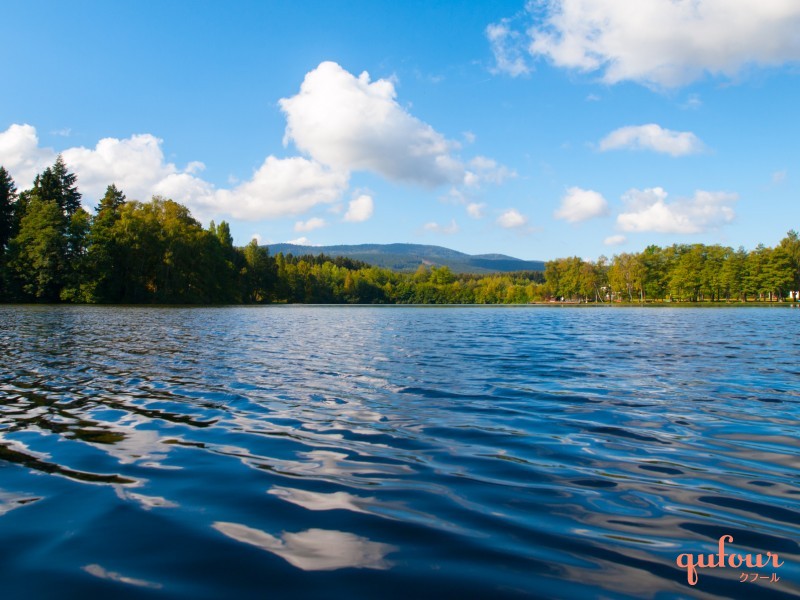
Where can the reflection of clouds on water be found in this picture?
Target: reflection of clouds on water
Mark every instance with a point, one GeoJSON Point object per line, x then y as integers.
{"type": "Point", "coordinates": [142, 446]}
{"type": "Point", "coordinates": [370, 505]}
{"type": "Point", "coordinates": [102, 573]}
{"type": "Point", "coordinates": [9, 502]}
{"type": "Point", "coordinates": [326, 462]}
{"type": "Point", "coordinates": [321, 501]}
{"type": "Point", "coordinates": [314, 549]}
{"type": "Point", "coordinates": [147, 502]}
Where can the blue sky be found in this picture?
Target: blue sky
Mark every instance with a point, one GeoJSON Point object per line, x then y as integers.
{"type": "Point", "coordinates": [539, 130]}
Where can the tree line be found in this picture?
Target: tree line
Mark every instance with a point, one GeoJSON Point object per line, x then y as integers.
{"type": "Point", "coordinates": [682, 273]}
{"type": "Point", "coordinates": [131, 252]}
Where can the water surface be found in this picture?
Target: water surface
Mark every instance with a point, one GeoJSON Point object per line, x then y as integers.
{"type": "Point", "coordinates": [395, 452]}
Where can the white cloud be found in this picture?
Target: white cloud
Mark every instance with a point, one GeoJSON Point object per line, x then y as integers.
{"type": "Point", "coordinates": [137, 166]}
{"type": "Point", "coordinates": [483, 169]}
{"type": "Point", "coordinates": [350, 123]}
{"type": "Point", "coordinates": [469, 137]}
{"type": "Point", "coordinates": [579, 205]}
{"type": "Point", "coordinates": [344, 123]}
{"type": "Point", "coordinates": [21, 155]}
{"type": "Point", "coordinates": [665, 43]}
{"type": "Point", "coordinates": [360, 209]}
{"type": "Point", "coordinates": [445, 229]}
{"type": "Point", "coordinates": [302, 241]}
{"type": "Point", "coordinates": [779, 176]}
{"type": "Point", "coordinates": [652, 137]}
{"type": "Point", "coordinates": [615, 240]}
{"type": "Point", "coordinates": [454, 196]}
{"type": "Point", "coordinates": [505, 44]}
{"type": "Point", "coordinates": [310, 225]}
{"type": "Point", "coordinates": [257, 237]}
{"type": "Point", "coordinates": [647, 210]}
{"type": "Point", "coordinates": [281, 187]}
{"type": "Point", "coordinates": [511, 219]}
{"type": "Point", "coordinates": [475, 210]}
{"type": "Point", "coordinates": [693, 102]}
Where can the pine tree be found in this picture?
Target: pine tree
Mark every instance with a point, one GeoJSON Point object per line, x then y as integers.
{"type": "Point", "coordinates": [8, 196]}
{"type": "Point", "coordinates": [57, 184]}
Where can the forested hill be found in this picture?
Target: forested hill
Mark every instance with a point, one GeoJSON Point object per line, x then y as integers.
{"type": "Point", "coordinates": [406, 258]}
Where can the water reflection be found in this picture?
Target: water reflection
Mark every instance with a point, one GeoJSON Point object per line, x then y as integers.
{"type": "Point", "coordinates": [320, 501]}
{"type": "Point", "coordinates": [314, 549]}
{"type": "Point", "coordinates": [145, 501]}
{"type": "Point", "coordinates": [9, 501]}
{"type": "Point", "coordinates": [27, 459]}
{"type": "Point", "coordinates": [102, 573]}
{"type": "Point", "coordinates": [551, 452]}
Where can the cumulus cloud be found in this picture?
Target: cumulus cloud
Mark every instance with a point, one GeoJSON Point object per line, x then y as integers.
{"type": "Point", "coordinates": [302, 241]}
{"type": "Point", "coordinates": [483, 169]}
{"type": "Point", "coordinates": [505, 44]}
{"type": "Point", "coordinates": [21, 155]}
{"type": "Point", "coordinates": [280, 187]}
{"type": "Point", "coordinates": [647, 210]}
{"type": "Point", "coordinates": [664, 43]}
{"type": "Point", "coordinates": [136, 165]}
{"type": "Point", "coordinates": [652, 137]}
{"type": "Point", "coordinates": [475, 210]}
{"type": "Point", "coordinates": [445, 229]}
{"type": "Point", "coordinates": [579, 205]}
{"type": "Point", "coordinates": [615, 240]}
{"type": "Point", "coordinates": [360, 209]}
{"type": "Point", "coordinates": [512, 219]}
{"type": "Point", "coordinates": [341, 122]}
{"type": "Point", "coordinates": [351, 123]}
{"type": "Point", "coordinates": [310, 225]}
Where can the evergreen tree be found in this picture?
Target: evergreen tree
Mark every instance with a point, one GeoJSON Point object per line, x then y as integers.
{"type": "Point", "coordinates": [105, 258]}
{"type": "Point", "coordinates": [8, 196]}
{"type": "Point", "coordinates": [57, 184]}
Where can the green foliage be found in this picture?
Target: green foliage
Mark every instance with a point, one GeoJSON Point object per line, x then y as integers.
{"type": "Point", "coordinates": [59, 185]}
{"type": "Point", "coordinates": [37, 255]}
{"type": "Point", "coordinates": [258, 274]}
{"type": "Point", "coordinates": [8, 196]}
{"type": "Point", "coordinates": [156, 252]}
{"type": "Point", "coordinates": [8, 199]}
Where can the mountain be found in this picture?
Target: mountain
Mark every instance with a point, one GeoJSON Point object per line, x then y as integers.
{"type": "Point", "coordinates": [408, 257]}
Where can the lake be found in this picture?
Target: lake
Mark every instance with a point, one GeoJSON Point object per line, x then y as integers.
{"type": "Point", "coordinates": [397, 452]}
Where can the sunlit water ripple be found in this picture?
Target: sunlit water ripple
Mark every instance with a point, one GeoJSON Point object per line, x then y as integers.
{"type": "Point", "coordinates": [344, 452]}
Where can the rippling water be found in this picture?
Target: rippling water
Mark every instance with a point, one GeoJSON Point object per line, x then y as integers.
{"type": "Point", "coordinates": [344, 452]}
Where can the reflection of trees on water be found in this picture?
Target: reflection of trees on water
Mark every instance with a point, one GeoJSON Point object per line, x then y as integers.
{"type": "Point", "coordinates": [9, 454]}
{"type": "Point", "coordinates": [37, 406]}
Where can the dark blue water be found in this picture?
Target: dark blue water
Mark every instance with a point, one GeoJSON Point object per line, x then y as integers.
{"type": "Point", "coordinates": [349, 452]}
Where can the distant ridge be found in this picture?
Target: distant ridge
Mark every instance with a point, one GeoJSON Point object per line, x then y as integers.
{"type": "Point", "coordinates": [408, 257]}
